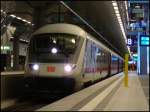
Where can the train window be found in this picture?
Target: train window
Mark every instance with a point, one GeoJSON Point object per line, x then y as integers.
{"type": "Point", "coordinates": [55, 47]}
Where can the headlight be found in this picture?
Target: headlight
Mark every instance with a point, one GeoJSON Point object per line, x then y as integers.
{"type": "Point", "coordinates": [68, 68]}
{"type": "Point", "coordinates": [35, 67]}
{"type": "Point", "coordinates": [54, 50]}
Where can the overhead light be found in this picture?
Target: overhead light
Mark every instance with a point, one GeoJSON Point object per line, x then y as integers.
{"type": "Point", "coordinates": [12, 15]}
{"type": "Point", "coordinates": [114, 4]}
{"type": "Point", "coordinates": [24, 20]}
{"type": "Point", "coordinates": [118, 15]}
{"type": "Point", "coordinates": [19, 18]}
{"type": "Point", "coordinates": [116, 8]}
{"type": "Point", "coordinates": [119, 20]}
{"type": "Point", "coordinates": [29, 22]}
{"type": "Point", "coordinates": [116, 11]}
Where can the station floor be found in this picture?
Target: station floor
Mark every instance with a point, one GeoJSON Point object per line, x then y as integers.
{"type": "Point", "coordinates": [135, 97]}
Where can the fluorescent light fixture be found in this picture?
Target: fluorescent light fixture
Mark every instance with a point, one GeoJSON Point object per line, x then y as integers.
{"type": "Point", "coordinates": [19, 18]}
{"type": "Point", "coordinates": [126, 5]}
{"type": "Point", "coordinates": [116, 8]}
{"type": "Point", "coordinates": [119, 19]}
{"type": "Point", "coordinates": [2, 48]}
{"type": "Point", "coordinates": [121, 25]}
{"type": "Point", "coordinates": [120, 22]}
{"type": "Point", "coordinates": [114, 4]}
{"type": "Point", "coordinates": [118, 15]}
{"type": "Point", "coordinates": [12, 15]}
{"type": "Point", "coordinates": [29, 22]}
{"type": "Point", "coordinates": [24, 20]}
{"type": "Point", "coordinates": [116, 11]}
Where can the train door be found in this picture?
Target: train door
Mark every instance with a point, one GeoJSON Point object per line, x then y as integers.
{"type": "Point", "coordinates": [87, 76]}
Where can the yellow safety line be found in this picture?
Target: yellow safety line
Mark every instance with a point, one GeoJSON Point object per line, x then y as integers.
{"type": "Point", "coordinates": [126, 71]}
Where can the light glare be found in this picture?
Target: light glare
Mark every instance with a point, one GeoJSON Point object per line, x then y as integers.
{"type": "Point", "coordinates": [35, 67]}
{"type": "Point", "coordinates": [54, 50]}
{"type": "Point", "coordinates": [68, 68]}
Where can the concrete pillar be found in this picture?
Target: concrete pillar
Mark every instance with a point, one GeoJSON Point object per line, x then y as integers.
{"type": "Point", "coordinates": [16, 53]}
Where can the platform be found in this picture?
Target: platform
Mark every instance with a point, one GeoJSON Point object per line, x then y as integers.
{"type": "Point", "coordinates": [131, 98]}
{"type": "Point", "coordinates": [120, 98]}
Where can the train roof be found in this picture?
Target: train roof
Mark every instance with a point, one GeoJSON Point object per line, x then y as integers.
{"type": "Point", "coordinates": [61, 28]}
{"type": "Point", "coordinates": [70, 29]}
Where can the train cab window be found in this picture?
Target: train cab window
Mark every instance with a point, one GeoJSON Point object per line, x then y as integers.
{"type": "Point", "coordinates": [55, 47]}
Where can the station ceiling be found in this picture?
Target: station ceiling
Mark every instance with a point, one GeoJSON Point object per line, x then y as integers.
{"type": "Point", "coordinates": [99, 14]}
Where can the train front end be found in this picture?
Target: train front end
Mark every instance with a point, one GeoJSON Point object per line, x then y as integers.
{"type": "Point", "coordinates": [52, 60]}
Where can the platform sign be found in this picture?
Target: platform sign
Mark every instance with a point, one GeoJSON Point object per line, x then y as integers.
{"type": "Point", "coordinates": [129, 42]}
{"type": "Point", "coordinates": [144, 40]}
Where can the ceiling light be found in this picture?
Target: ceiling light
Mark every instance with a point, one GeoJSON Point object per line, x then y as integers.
{"type": "Point", "coordinates": [12, 15]}
{"type": "Point", "coordinates": [24, 20]}
{"type": "Point", "coordinates": [116, 8]}
{"type": "Point", "coordinates": [18, 18]}
{"type": "Point", "coordinates": [114, 4]}
{"type": "Point", "coordinates": [29, 22]}
{"type": "Point", "coordinates": [118, 15]}
{"type": "Point", "coordinates": [116, 11]}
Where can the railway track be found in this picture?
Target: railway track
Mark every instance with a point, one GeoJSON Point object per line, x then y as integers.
{"type": "Point", "coordinates": [34, 101]}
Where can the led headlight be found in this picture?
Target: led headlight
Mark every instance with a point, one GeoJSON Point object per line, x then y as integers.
{"type": "Point", "coordinates": [54, 50]}
{"type": "Point", "coordinates": [68, 68]}
{"type": "Point", "coordinates": [35, 67]}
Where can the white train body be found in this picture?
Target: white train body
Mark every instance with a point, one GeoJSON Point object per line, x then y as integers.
{"type": "Point", "coordinates": [65, 51]}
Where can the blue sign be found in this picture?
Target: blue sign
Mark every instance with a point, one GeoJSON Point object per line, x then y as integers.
{"type": "Point", "coordinates": [144, 40]}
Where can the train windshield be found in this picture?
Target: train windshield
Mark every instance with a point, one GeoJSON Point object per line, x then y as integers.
{"type": "Point", "coordinates": [54, 47]}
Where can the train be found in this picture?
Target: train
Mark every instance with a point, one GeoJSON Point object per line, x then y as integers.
{"type": "Point", "coordinates": [63, 55]}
